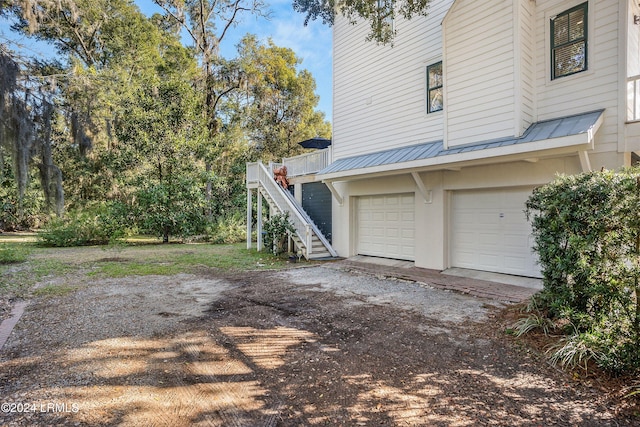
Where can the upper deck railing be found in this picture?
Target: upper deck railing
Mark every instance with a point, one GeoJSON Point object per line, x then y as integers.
{"type": "Point", "coordinates": [309, 163]}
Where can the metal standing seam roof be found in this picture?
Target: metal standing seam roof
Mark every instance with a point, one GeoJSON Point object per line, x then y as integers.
{"type": "Point", "coordinates": [548, 129]}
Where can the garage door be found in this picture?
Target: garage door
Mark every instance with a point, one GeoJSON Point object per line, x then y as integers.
{"type": "Point", "coordinates": [490, 232]}
{"type": "Point", "coordinates": [386, 226]}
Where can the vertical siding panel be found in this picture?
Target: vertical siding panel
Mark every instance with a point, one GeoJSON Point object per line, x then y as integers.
{"type": "Point", "coordinates": [526, 44]}
{"type": "Point", "coordinates": [480, 71]}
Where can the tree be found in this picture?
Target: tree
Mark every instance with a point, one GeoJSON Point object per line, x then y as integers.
{"type": "Point", "coordinates": [380, 13]}
{"type": "Point", "coordinates": [207, 22]}
{"type": "Point", "coordinates": [280, 100]}
{"type": "Point", "coordinates": [162, 130]}
{"type": "Point", "coordinates": [109, 49]}
{"type": "Point", "coordinates": [143, 121]}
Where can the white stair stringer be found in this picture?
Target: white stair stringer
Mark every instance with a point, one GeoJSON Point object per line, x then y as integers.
{"type": "Point", "coordinates": [307, 237]}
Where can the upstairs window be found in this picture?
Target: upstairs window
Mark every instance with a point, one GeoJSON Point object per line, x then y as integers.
{"type": "Point", "coordinates": [434, 88]}
{"type": "Point", "coordinates": [569, 42]}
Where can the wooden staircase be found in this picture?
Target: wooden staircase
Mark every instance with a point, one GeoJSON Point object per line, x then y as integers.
{"type": "Point", "coordinates": [307, 238]}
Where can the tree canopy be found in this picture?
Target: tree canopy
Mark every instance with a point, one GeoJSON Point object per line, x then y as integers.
{"type": "Point", "coordinates": [127, 121]}
{"type": "Point", "coordinates": [379, 13]}
{"type": "Point", "coordinates": [279, 100]}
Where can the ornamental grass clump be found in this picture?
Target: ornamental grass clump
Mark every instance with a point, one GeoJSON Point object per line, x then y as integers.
{"type": "Point", "coordinates": [587, 236]}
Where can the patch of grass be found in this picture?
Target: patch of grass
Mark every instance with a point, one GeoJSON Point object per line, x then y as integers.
{"type": "Point", "coordinates": [533, 322]}
{"type": "Point", "coordinates": [17, 278]}
{"type": "Point", "coordinates": [136, 268]}
{"type": "Point", "coordinates": [18, 237]}
{"type": "Point", "coordinates": [53, 291]}
{"type": "Point", "coordinates": [185, 258]}
{"type": "Point", "coordinates": [142, 259]}
{"type": "Point", "coordinates": [13, 253]}
{"type": "Point", "coordinates": [50, 267]}
{"type": "Point", "coordinates": [575, 351]}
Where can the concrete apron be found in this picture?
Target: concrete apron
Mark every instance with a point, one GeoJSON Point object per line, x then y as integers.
{"type": "Point", "coordinates": [8, 324]}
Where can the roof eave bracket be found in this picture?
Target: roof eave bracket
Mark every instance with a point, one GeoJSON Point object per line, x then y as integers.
{"type": "Point", "coordinates": [426, 194]}
{"type": "Point", "coordinates": [334, 192]}
{"type": "Point", "coordinates": [585, 162]}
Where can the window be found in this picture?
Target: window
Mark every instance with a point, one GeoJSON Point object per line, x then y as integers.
{"type": "Point", "coordinates": [434, 88]}
{"type": "Point", "coordinates": [569, 42]}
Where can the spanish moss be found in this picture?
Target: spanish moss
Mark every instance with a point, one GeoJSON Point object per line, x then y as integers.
{"type": "Point", "coordinates": [25, 134]}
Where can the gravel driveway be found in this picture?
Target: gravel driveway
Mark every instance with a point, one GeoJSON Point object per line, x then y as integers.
{"type": "Point", "coordinates": [314, 346]}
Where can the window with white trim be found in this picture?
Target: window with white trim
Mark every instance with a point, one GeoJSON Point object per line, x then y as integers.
{"type": "Point", "coordinates": [569, 42]}
{"type": "Point", "coordinates": [434, 88]}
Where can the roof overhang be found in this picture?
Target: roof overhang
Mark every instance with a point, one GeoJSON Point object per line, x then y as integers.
{"type": "Point", "coordinates": [550, 138]}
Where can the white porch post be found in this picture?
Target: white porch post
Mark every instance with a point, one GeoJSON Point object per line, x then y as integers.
{"type": "Point", "coordinates": [297, 192]}
{"type": "Point", "coordinates": [249, 212]}
{"type": "Point", "coordinates": [259, 222]}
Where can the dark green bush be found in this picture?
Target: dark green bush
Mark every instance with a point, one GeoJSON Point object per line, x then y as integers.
{"type": "Point", "coordinates": [102, 224]}
{"type": "Point", "coordinates": [587, 236]}
{"type": "Point", "coordinates": [169, 209]}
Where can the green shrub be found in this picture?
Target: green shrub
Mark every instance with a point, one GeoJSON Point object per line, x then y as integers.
{"type": "Point", "coordinates": [587, 236]}
{"type": "Point", "coordinates": [92, 226]}
{"type": "Point", "coordinates": [228, 229]}
{"type": "Point", "coordinates": [276, 232]}
{"type": "Point", "coordinates": [169, 209]}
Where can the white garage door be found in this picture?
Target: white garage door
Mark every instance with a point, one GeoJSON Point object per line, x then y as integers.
{"type": "Point", "coordinates": [489, 231]}
{"type": "Point", "coordinates": [386, 226]}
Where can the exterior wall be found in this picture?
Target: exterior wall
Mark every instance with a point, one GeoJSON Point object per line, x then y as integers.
{"type": "Point", "coordinates": [497, 76]}
{"type": "Point", "coordinates": [631, 33]}
{"type": "Point", "coordinates": [315, 199]}
{"type": "Point", "coordinates": [633, 39]}
{"type": "Point", "coordinates": [379, 99]}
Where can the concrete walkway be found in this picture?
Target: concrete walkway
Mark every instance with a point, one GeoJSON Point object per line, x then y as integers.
{"type": "Point", "coordinates": [8, 324]}
{"type": "Point", "coordinates": [515, 289]}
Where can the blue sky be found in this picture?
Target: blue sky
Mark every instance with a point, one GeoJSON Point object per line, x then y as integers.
{"type": "Point", "coordinates": [312, 44]}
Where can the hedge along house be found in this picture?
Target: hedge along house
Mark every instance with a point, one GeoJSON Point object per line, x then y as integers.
{"type": "Point", "coordinates": [439, 140]}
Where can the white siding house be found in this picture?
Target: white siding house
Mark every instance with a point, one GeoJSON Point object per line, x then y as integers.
{"type": "Point", "coordinates": [529, 89]}
{"type": "Point", "coordinates": [508, 125]}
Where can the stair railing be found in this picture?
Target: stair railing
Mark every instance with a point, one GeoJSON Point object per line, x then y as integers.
{"type": "Point", "coordinates": [277, 194]}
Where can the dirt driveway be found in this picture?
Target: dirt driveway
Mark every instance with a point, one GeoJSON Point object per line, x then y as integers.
{"type": "Point", "coordinates": [311, 346]}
